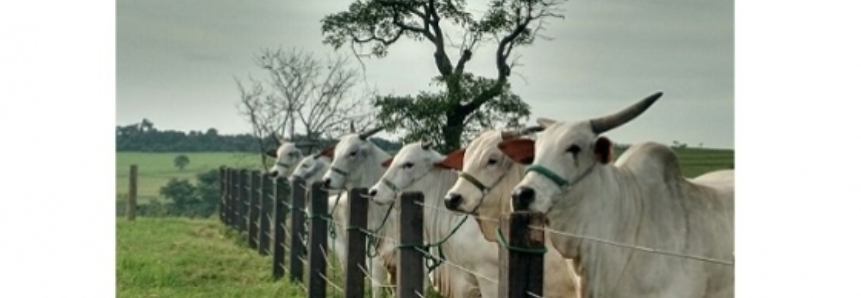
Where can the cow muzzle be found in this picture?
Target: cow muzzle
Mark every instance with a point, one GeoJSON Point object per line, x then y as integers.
{"type": "Point", "coordinates": [522, 197]}
{"type": "Point", "coordinates": [453, 201]}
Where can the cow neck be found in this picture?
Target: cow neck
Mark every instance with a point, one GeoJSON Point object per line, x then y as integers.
{"type": "Point", "coordinates": [380, 218]}
{"type": "Point", "coordinates": [440, 225]}
{"type": "Point", "coordinates": [499, 196]}
{"type": "Point", "coordinates": [603, 206]}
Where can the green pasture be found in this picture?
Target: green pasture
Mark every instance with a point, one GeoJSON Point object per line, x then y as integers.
{"type": "Point", "coordinates": [155, 169]}
{"type": "Point", "coordinates": [172, 257]}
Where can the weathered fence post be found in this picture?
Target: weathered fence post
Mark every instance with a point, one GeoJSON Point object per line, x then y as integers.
{"type": "Point", "coordinates": [521, 259]}
{"type": "Point", "coordinates": [132, 203]}
{"type": "Point", "coordinates": [411, 261]}
{"type": "Point", "coordinates": [253, 209]}
{"type": "Point", "coordinates": [280, 228]}
{"type": "Point", "coordinates": [297, 229]}
{"type": "Point", "coordinates": [317, 241]}
{"type": "Point", "coordinates": [357, 221]}
{"type": "Point", "coordinates": [244, 201]}
{"type": "Point", "coordinates": [237, 199]}
{"type": "Point", "coordinates": [266, 199]}
{"type": "Point", "coordinates": [222, 194]}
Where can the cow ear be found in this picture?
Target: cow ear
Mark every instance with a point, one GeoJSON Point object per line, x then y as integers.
{"type": "Point", "coordinates": [453, 161]}
{"type": "Point", "coordinates": [387, 162]}
{"type": "Point", "coordinates": [328, 152]}
{"type": "Point", "coordinates": [272, 153]}
{"type": "Point", "coordinates": [603, 149]}
{"type": "Point", "coordinates": [521, 151]}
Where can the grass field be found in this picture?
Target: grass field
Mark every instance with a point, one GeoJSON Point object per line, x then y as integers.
{"type": "Point", "coordinates": [171, 257]}
{"type": "Point", "coordinates": [155, 169]}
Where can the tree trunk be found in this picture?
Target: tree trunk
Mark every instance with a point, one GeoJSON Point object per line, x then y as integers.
{"type": "Point", "coordinates": [452, 131]}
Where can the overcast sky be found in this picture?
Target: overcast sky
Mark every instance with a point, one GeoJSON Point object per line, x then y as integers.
{"type": "Point", "coordinates": [176, 61]}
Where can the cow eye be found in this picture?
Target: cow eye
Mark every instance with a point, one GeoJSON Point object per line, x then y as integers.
{"type": "Point", "coordinates": [574, 149]}
{"type": "Point", "coordinates": [353, 153]}
{"type": "Point", "coordinates": [408, 165]}
{"type": "Point", "coordinates": [491, 161]}
{"type": "Point", "coordinates": [304, 165]}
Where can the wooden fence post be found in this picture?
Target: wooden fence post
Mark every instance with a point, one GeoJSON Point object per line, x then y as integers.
{"type": "Point", "coordinates": [521, 261]}
{"type": "Point", "coordinates": [222, 194]}
{"type": "Point", "coordinates": [253, 209]}
{"type": "Point", "coordinates": [281, 208]}
{"type": "Point", "coordinates": [245, 201]}
{"type": "Point", "coordinates": [411, 261]}
{"type": "Point", "coordinates": [317, 242]}
{"type": "Point", "coordinates": [297, 229]}
{"type": "Point", "coordinates": [266, 200]}
{"type": "Point", "coordinates": [357, 220]}
{"type": "Point", "coordinates": [237, 199]}
{"type": "Point", "coordinates": [132, 203]}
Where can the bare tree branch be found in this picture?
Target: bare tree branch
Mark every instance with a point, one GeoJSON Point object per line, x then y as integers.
{"type": "Point", "coordinates": [252, 107]}
{"type": "Point", "coordinates": [307, 97]}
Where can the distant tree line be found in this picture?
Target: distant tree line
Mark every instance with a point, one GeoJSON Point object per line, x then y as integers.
{"type": "Point", "coordinates": [144, 137]}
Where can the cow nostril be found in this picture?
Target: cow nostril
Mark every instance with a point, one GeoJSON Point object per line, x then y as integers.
{"type": "Point", "coordinates": [273, 174]}
{"type": "Point", "coordinates": [372, 192]}
{"type": "Point", "coordinates": [522, 197]}
{"type": "Point", "coordinates": [452, 201]}
{"type": "Point", "coordinates": [327, 183]}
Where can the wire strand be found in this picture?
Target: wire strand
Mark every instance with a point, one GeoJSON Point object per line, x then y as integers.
{"type": "Point", "coordinates": [328, 281]}
{"type": "Point", "coordinates": [428, 255]}
{"type": "Point", "coordinates": [636, 247]}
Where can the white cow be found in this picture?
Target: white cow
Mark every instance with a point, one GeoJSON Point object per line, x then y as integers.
{"type": "Point", "coordinates": [356, 163]}
{"type": "Point", "coordinates": [416, 167]}
{"type": "Point", "coordinates": [311, 170]}
{"type": "Point", "coordinates": [483, 189]}
{"type": "Point", "coordinates": [287, 156]}
{"type": "Point", "coordinates": [641, 200]}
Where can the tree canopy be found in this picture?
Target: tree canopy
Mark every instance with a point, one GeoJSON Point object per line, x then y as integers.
{"type": "Point", "coordinates": [378, 24]}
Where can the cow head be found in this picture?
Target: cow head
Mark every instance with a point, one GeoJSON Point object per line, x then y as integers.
{"type": "Point", "coordinates": [483, 167]}
{"type": "Point", "coordinates": [413, 162]}
{"type": "Point", "coordinates": [287, 156]}
{"type": "Point", "coordinates": [347, 155]}
{"type": "Point", "coordinates": [564, 156]}
{"type": "Point", "coordinates": [310, 169]}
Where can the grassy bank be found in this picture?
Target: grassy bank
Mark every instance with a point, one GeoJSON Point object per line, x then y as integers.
{"type": "Point", "coordinates": [190, 258]}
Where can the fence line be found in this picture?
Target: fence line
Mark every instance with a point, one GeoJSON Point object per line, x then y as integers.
{"type": "Point", "coordinates": [257, 207]}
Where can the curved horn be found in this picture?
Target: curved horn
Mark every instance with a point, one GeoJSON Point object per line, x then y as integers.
{"type": "Point", "coordinates": [427, 144]}
{"type": "Point", "coordinates": [365, 134]}
{"type": "Point", "coordinates": [352, 127]}
{"type": "Point", "coordinates": [531, 129]}
{"type": "Point", "coordinates": [511, 134]}
{"type": "Point", "coordinates": [612, 121]}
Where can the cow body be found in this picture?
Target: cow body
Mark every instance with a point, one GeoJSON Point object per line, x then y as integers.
{"type": "Point", "coordinates": [636, 227]}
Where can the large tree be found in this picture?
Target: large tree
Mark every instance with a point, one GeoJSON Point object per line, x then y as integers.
{"type": "Point", "coordinates": [378, 24]}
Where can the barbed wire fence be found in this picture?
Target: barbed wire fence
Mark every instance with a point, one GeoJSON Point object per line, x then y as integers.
{"type": "Point", "coordinates": [271, 215]}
